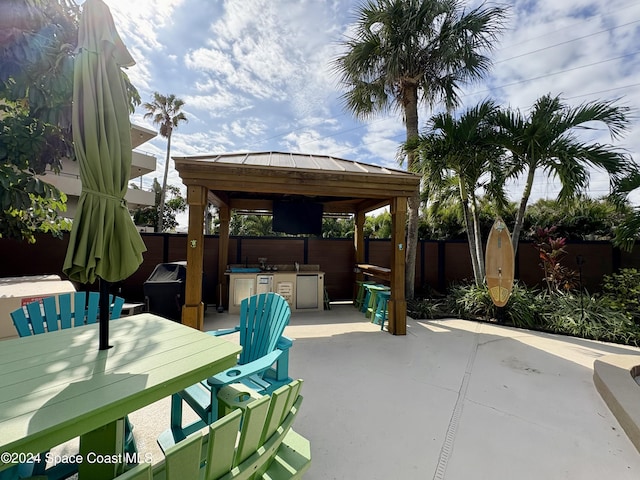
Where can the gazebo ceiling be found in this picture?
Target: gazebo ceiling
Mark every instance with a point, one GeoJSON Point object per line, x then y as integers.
{"type": "Point", "coordinates": [252, 181]}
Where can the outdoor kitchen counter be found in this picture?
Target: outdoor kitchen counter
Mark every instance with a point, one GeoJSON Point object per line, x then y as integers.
{"type": "Point", "coordinates": [303, 290]}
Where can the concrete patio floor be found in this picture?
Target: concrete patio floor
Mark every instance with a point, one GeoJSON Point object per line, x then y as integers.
{"type": "Point", "coordinates": [452, 399]}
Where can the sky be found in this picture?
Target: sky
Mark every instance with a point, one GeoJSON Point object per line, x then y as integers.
{"type": "Point", "coordinates": [256, 75]}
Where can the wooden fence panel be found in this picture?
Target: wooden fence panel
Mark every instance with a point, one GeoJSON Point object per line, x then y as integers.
{"type": "Point", "coordinates": [337, 259]}
{"type": "Point", "coordinates": [438, 263]}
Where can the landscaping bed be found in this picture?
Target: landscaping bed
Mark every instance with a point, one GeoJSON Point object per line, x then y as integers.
{"type": "Point", "coordinates": [612, 315]}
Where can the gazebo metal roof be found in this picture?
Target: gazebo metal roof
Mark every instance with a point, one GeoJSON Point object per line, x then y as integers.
{"type": "Point", "coordinates": [253, 180]}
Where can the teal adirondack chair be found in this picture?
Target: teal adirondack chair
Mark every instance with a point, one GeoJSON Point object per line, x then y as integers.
{"type": "Point", "coordinates": [36, 318]}
{"type": "Point", "coordinates": [266, 448]}
{"type": "Point", "coordinates": [45, 317]}
{"type": "Point", "coordinates": [263, 364]}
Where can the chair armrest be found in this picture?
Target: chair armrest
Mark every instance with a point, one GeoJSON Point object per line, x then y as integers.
{"type": "Point", "coordinates": [224, 331]}
{"type": "Point", "coordinates": [284, 343]}
{"type": "Point", "coordinates": [239, 372]}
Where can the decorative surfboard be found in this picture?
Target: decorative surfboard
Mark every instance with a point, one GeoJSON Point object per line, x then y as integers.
{"type": "Point", "coordinates": [499, 263]}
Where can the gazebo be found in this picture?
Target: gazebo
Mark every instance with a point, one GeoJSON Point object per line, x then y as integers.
{"type": "Point", "coordinates": [254, 181]}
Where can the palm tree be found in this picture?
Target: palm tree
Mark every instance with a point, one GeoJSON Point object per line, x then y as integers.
{"type": "Point", "coordinates": [378, 226]}
{"type": "Point", "coordinates": [547, 140]}
{"type": "Point", "coordinates": [406, 52]}
{"type": "Point", "coordinates": [461, 150]}
{"type": "Point", "coordinates": [165, 111]}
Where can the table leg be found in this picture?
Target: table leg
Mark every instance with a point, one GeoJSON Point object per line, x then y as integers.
{"type": "Point", "coordinates": [102, 452]}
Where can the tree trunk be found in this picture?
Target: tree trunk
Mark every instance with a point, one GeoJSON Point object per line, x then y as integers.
{"type": "Point", "coordinates": [413, 205]}
{"type": "Point", "coordinates": [517, 228]}
{"type": "Point", "coordinates": [470, 240]}
{"type": "Point", "coordinates": [471, 232]}
{"type": "Point", "coordinates": [478, 242]}
{"type": "Point", "coordinates": [163, 193]}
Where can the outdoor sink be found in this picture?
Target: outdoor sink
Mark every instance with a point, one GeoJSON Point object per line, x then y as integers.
{"type": "Point", "coordinates": [245, 270]}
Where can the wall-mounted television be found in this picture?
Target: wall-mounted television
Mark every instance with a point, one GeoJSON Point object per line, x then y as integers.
{"type": "Point", "coordinates": [296, 217]}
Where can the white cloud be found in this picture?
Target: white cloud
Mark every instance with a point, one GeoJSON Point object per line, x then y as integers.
{"type": "Point", "coordinates": [256, 74]}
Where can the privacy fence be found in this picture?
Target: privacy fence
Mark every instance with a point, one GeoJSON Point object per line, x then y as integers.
{"type": "Point", "coordinates": [439, 263]}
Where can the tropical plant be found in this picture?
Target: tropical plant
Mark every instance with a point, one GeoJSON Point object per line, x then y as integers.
{"type": "Point", "coordinates": [460, 150]}
{"type": "Point", "coordinates": [36, 87]}
{"type": "Point", "coordinates": [547, 140]}
{"type": "Point", "coordinates": [551, 251]}
{"type": "Point", "coordinates": [473, 301]}
{"type": "Point", "coordinates": [337, 227]}
{"type": "Point", "coordinates": [150, 215]}
{"type": "Point", "coordinates": [37, 43]}
{"type": "Point", "coordinates": [621, 292]}
{"type": "Point", "coordinates": [443, 219]}
{"type": "Point", "coordinates": [628, 230]}
{"type": "Point", "coordinates": [580, 218]}
{"type": "Point", "coordinates": [583, 315]}
{"type": "Point", "coordinates": [586, 316]}
{"type": "Point", "coordinates": [378, 226]}
{"type": "Point", "coordinates": [425, 308]}
{"type": "Point", "coordinates": [251, 225]}
{"type": "Point", "coordinates": [407, 52]}
{"type": "Point", "coordinates": [212, 220]}
{"type": "Point", "coordinates": [165, 110]}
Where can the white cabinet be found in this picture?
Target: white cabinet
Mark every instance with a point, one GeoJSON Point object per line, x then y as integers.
{"type": "Point", "coordinates": [302, 291]}
{"type": "Point", "coordinates": [243, 287]}
{"type": "Point", "coordinates": [285, 286]}
{"type": "Point", "coordinates": [309, 291]}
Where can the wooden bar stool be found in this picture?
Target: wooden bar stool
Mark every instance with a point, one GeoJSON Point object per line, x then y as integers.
{"type": "Point", "coordinates": [372, 303]}
{"type": "Point", "coordinates": [382, 310]}
{"type": "Point", "coordinates": [359, 301]}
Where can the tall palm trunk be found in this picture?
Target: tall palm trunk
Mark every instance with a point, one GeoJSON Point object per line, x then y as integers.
{"type": "Point", "coordinates": [517, 228]}
{"type": "Point", "coordinates": [477, 242]}
{"type": "Point", "coordinates": [413, 204]}
{"type": "Point", "coordinates": [163, 193]}
{"type": "Point", "coordinates": [471, 232]}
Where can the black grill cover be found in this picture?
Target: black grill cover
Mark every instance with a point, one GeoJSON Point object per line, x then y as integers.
{"type": "Point", "coordinates": [164, 290]}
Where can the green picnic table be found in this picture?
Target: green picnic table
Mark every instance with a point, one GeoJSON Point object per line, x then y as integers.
{"type": "Point", "coordinates": [59, 386]}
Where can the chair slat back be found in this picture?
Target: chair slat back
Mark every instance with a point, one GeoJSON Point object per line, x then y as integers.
{"type": "Point", "coordinates": [282, 401]}
{"type": "Point", "coordinates": [263, 318]}
{"type": "Point", "coordinates": [91, 315]}
{"type": "Point", "coordinates": [57, 312]}
{"type": "Point", "coordinates": [139, 472]}
{"type": "Point", "coordinates": [21, 323]}
{"type": "Point", "coordinates": [265, 423]}
{"type": "Point", "coordinates": [185, 460]}
{"type": "Point", "coordinates": [66, 312]}
{"type": "Point", "coordinates": [222, 444]}
{"type": "Point", "coordinates": [79, 308]}
{"type": "Point", "coordinates": [255, 417]}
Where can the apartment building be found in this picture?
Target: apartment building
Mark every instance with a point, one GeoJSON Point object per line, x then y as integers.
{"type": "Point", "coordinates": [68, 180]}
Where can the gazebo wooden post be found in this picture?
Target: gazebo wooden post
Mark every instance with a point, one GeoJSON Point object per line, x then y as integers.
{"type": "Point", "coordinates": [358, 240]}
{"type": "Point", "coordinates": [193, 309]}
{"type": "Point", "coordinates": [224, 214]}
{"type": "Point", "coordinates": [397, 302]}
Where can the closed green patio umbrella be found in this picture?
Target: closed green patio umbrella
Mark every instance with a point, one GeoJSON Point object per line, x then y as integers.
{"type": "Point", "coordinates": [104, 241]}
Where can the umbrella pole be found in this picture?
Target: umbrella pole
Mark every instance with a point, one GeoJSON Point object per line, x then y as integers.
{"type": "Point", "coordinates": [104, 314]}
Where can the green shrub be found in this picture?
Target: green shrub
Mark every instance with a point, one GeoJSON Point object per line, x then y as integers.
{"type": "Point", "coordinates": [621, 292]}
{"type": "Point", "coordinates": [474, 302]}
{"type": "Point", "coordinates": [588, 316]}
{"type": "Point", "coordinates": [425, 308]}
{"type": "Point", "coordinates": [568, 313]}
